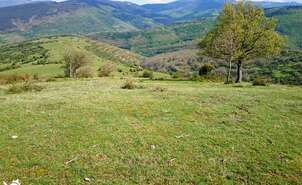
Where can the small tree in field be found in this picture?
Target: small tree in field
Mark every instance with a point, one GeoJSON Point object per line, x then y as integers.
{"type": "Point", "coordinates": [242, 33]}
{"type": "Point", "coordinates": [73, 61]}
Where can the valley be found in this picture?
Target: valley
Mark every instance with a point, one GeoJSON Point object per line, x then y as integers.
{"type": "Point", "coordinates": [150, 31]}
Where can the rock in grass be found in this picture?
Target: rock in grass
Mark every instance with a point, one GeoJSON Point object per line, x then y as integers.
{"type": "Point", "coordinates": [15, 182]}
{"type": "Point", "coordinates": [152, 147]}
{"type": "Point", "coordinates": [14, 137]}
{"type": "Point", "coordinates": [87, 179]}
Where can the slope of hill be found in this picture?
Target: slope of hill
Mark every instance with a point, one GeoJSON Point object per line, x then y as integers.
{"type": "Point", "coordinates": [45, 56]}
{"type": "Point", "coordinates": [272, 4]}
{"type": "Point", "coordinates": [289, 23]}
{"type": "Point", "coordinates": [74, 16]}
{"type": "Point", "coordinates": [188, 9]}
{"type": "Point", "coordinates": [158, 40]}
{"type": "Point", "coordinates": [195, 9]}
{"type": "Point", "coordinates": [6, 3]}
{"type": "Point", "coordinates": [87, 16]}
{"type": "Point", "coordinates": [180, 35]}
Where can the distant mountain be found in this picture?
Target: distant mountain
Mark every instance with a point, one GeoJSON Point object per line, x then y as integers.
{"type": "Point", "coordinates": [270, 4]}
{"type": "Point", "coordinates": [104, 16]}
{"type": "Point", "coordinates": [289, 23]}
{"type": "Point", "coordinates": [5, 3]}
{"type": "Point", "coordinates": [195, 9]}
{"type": "Point", "coordinates": [76, 16]}
{"type": "Point", "coordinates": [187, 9]}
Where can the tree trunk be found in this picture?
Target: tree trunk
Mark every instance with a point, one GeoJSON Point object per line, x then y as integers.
{"type": "Point", "coordinates": [229, 72]}
{"type": "Point", "coordinates": [239, 71]}
{"type": "Point", "coordinates": [70, 71]}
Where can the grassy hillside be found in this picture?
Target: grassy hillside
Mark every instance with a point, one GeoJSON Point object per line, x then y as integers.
{"type": "Point", "coordinates": [190, 133]}
{"type": "Point", "coordinates": [158, 40]}
{"type": "Point", "coordinates": [45, 56]}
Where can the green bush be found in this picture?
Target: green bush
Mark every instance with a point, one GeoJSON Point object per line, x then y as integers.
{"type": "Point", "coordinates": [106, 69]}
{"type": "Point", "coordinates": [36, 77]}
{"type": "Point", "coordinates": [24, 87]}
{"type": "Point", "coordinates": [148, 74]}
{"type": "Point", "coordinates": [14, 78]}
{"type": "Point", "coordinates": [129, 84]}
{"type": "Point", "coordinates": [206, 69]}
{"type": "Point", "coordinates": [260, 82]}
{"type": "Point", "coordinates": [85, 72]}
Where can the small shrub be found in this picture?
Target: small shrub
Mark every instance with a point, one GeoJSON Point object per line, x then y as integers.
{"type": "Point", "coordinates": [148, 74]}
{"type": "Point", "coordinates": [160, 78]}
{"type": "Point", "coordinates": [260, 82]}
{"type": "Point", "coordinates": [36, 77]}
{"type": "Point", "coordinates": [133, 70]}
{"type": "Point", "coordinates": [10, 79]}
{"type": "Point", "coordinates": [195, 77]}
{"type": "Point", "coordinates": [175, 75]}
{"type": "Point", "coordinates": [85, 72]}
{"type": "Point", "coordinates": [183, 74]}
{"type": "Point", "coordinates": [14, 89]}
{"type": "Point", "coordinates": [24, 87]}
{"type": "Point", "coordinates": [106, 69]}
{"type": "Point", "coordinates": [129, 84]}
{"type": "Point", "coordinates": [206, 69]}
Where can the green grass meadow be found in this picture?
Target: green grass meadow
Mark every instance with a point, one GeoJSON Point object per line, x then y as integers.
{"type": "Point", "coordinates": [167, 132]}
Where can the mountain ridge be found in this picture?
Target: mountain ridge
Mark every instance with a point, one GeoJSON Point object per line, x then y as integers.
{"type": "Point", "coordinates": [82, 17]}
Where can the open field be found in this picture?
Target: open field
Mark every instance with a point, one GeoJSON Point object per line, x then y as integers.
{"type": "Point", "coordinates": [164, 133]}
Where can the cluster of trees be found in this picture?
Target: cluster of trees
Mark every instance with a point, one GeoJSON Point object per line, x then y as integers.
{"type": "Point", "coordinates": [242, 33]}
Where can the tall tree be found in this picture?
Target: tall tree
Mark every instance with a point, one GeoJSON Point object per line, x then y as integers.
{"type": "Point", "coordinates": [242, 32]}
